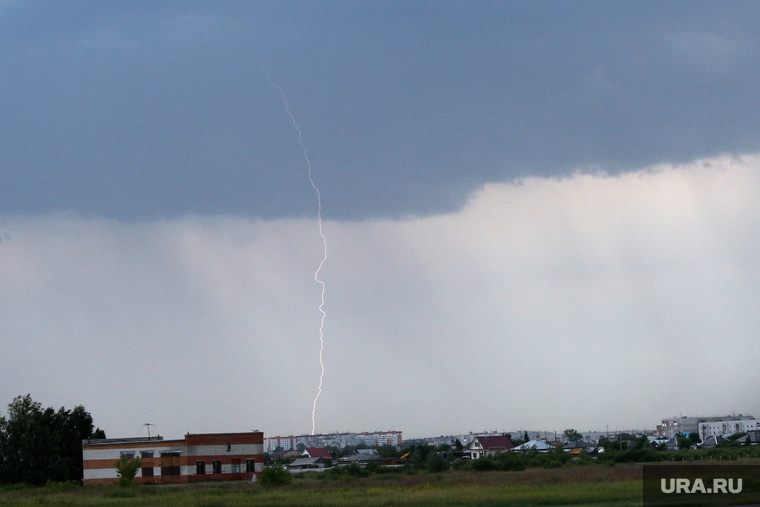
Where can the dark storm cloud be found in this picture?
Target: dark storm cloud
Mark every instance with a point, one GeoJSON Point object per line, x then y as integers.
{"type": "Point", "coordinates": [144, 110]}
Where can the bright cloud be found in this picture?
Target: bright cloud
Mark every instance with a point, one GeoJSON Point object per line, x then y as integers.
{"type": "Point", "coordinates": [553, 303]}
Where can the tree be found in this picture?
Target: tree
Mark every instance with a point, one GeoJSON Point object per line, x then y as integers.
{"type": "Point", "coordinates": [126, 469]}
{"type": "Point", "coordinates": [419, 455]}
{"type": "Point", "coordinates": [642, 443]}
{"type": "Point", "coordinates": [572, 436]}
{"type": "Point", "coordinates": [387, 451]}
{"type": "Point", "coordinates": [38, 445]}
{"type": "Point", "coordinates": [683, 441]}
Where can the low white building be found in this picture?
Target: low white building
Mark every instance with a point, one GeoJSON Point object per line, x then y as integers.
{"type": "Point", "coordinates": [727, 427]}
{"type": "Point", "coordinates": [197, 457]}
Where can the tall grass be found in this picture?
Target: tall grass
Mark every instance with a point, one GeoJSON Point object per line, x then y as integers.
{"type": "Point", "coordinates": [598, 486]}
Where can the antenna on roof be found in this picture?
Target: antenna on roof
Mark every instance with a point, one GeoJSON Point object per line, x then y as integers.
{"type": "Point", "coordinates": [148, 426]}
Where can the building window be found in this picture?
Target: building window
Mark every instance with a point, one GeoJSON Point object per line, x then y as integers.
{"type": "Point", "coordinates": [250, 466]}
{"type": "Point", "coordinates": [146, 454]}
{"type": "Point", "coordinates": [170, 463]}
{"type": "Point", "coordinates": [200, 467]}
{"type": "Point", "coordinates": [128, 454]}
{"type": "Point", "coordinates": [217, 467]}
{"type": "Point", "coordinates": [147, 471]}
{"type": "Point", "coordinates": [235, 466]}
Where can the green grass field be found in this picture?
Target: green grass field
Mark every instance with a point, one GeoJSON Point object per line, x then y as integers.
{"type": "Point", "coordinates": [591, 485]}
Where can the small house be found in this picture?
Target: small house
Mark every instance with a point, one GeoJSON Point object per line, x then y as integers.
{"type": "Point", "coordinates": [489, 446]}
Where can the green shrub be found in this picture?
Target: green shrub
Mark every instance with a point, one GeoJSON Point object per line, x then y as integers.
{"type": "Point", "coordinates": [348, 471]}
{"type": "Point", "coordinates": [436, 464]}
{"type": "Point", "coordinates": [276, 475]}
{"type": "Point", "coordinates": [552, 463]}
{"type": "Point", "coordinates": [485, 464]}
{"type": "Point", "coordinates": [126, 469]}
{"type": "Point", "coordinates": [514, 461]}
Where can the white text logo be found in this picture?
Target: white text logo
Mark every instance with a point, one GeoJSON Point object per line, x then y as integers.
{"type": "Point", "coordinates": [698, 486]}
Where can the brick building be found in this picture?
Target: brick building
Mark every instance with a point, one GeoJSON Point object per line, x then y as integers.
{"type": "Point", "coordinates": [202, 457]}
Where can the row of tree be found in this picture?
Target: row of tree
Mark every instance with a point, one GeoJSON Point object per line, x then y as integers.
{"type": "Point", "coordinates": [39, 445]}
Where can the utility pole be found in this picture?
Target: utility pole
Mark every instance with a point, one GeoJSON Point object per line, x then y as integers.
{"type": "Point", "coordinates": [148, 425]}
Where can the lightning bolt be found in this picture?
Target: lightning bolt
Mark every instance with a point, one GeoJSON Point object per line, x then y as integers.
{"type": "Point", "coordinates": [324, 257]}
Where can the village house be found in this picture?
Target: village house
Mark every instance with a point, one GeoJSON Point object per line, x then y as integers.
{"type": "Point", "coordinates": [316, 452]}
{"type": "Point", "coordinates": [306, 464]}
{"type": "Point", "coordinates": [537, 445]}
{"type": "Point", "coordinates": [489, 446]}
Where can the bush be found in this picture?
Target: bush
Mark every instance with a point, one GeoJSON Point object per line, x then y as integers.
{"type": "Point", "coordinates": [276, 475]}
{"type": "Point", "coordinates": [514, 461]}
{"type": "Point", "coordinates": [348, 471]}
{"type": "Point", "coordinates": [584, 458]}
{"type": "Point", "coordinates": [126, 469]}
{"type": "Point", "coordinates": [436, 464]}
{"type": "Point", "coordinates": [484, 464]}
{"type": "Point", "coordinates": [645, 455]}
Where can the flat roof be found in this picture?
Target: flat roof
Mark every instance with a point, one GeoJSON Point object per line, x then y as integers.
{"type": "Point", "coordinates": [97, 441]}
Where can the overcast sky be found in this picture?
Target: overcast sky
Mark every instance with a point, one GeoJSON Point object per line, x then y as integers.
{"type": "Point", "coordinates": [538, 215]}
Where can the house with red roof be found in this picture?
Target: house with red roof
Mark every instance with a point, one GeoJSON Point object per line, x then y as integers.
{"type": "Point", "coordinates": [316, 452]}
{"type": "Point", "coordinates": [489, 446]}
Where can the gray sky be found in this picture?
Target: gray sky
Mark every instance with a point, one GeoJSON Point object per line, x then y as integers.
{"type": "Point", "coordinates": [538, 215]}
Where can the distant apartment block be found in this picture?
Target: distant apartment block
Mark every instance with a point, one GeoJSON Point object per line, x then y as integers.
{"type": "Point", "coordinates": [592, 437]}
{"type": "Point", "coordinates": [685, 424]}
{"type": "Point", "coordinates": [339, 440]}
{"type": "Point", "coordinates": [726, 428]}
{"type": "Point", "coordinates": [451, 440]}
{"type": "Point", "coordinates": [202, 457]}
{"type": "Point", "coordinates": [468, 438]}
